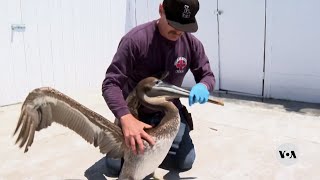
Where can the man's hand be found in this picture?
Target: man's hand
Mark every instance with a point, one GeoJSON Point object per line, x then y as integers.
{"type": "Point", "coordinates": [199, 93]}
{"type": "Point", "coordinates": [133, 131]}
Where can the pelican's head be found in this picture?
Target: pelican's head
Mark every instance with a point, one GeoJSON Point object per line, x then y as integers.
{"type": "Point", "coordinates": [154, 91]}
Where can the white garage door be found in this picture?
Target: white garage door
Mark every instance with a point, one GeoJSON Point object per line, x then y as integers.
{"type": "Point", "coordinates": [241, 37]}
{"type": "Point", "coordinates": [292, 50]}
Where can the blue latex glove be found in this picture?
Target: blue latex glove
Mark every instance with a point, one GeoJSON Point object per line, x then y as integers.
{"type": "Point", "coordinates": [199, 93]}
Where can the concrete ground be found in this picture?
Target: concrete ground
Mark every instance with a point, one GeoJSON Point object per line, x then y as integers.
{"type": "Point", "coordinates": [237, 141]}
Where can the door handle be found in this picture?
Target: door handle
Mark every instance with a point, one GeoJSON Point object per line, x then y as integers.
{"type": "Point", "coordinates": [18, 27]}
{"type": "Point", "coordinates": [218, 12]}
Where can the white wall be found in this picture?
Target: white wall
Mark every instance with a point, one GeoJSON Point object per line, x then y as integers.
{"type": "Point", "coordinates": [69, 44]}
{"type": "Point", "coordinates": [66, 44]}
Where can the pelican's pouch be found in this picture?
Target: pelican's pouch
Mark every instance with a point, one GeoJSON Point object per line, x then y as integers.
{"type": "Point", "coordinates": [187, 116]}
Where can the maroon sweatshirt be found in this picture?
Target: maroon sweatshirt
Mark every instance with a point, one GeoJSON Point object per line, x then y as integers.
{"type": "Point", "coordinates": [144, 52]}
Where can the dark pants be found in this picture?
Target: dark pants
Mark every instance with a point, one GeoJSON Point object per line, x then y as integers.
{"type": "Point", "coordinates": [180, 157]}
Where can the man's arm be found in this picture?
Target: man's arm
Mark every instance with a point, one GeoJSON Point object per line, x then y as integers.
{"type": "Point", "coordinates": [116, 76]}
{"type": "Point", "coordinates": [204, 77]}
{"type": "Point", "coordinates": [200, 66]}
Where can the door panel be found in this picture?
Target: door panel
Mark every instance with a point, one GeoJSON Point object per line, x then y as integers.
{"type": "Point", "coordinates": [208, 35]}
{"type": "Point", "coordinates": [12, 62]}
{"type": "Point", "coordinates": [5, 57]}
{"type": "Point", "coordinates": [31, 17]}
{"type": "Point", "coordinates": [241, 37]}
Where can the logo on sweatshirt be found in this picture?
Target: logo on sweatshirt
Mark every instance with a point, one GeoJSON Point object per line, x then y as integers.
{"type": "Point", "coordinates": [180, 64]}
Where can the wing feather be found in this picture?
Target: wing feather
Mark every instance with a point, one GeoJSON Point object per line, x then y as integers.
{"type": "Point", "coordinates": [25, 132]}
{"type": "Point", "coordinates": [31, 136]}
{"type": "Point", "coordinates": [19, 122]}
{"type": "Point", "coordinates": [46, 105]}
{"type": "Point", "coordinates": [23, 128]}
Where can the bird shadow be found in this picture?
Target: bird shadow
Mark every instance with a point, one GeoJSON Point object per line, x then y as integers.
{"type": "Point", "coordinates": [175, 175]}
{"type": "Point", "coordinates": [171, 175]}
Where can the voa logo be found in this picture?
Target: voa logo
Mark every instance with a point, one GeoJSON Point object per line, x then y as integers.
{"type": "Point", "coordinates": [287, 154]}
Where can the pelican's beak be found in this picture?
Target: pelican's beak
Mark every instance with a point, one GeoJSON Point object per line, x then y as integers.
{"type": "Point", "coordinates": [171, 92]}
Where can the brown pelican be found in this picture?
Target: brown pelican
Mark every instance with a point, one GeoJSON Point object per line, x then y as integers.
{"type": "Point", "coordinates": [46, 105]}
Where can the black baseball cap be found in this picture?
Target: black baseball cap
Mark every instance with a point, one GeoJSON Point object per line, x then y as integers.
{"type": "Point", "coordinates": [181, 14]}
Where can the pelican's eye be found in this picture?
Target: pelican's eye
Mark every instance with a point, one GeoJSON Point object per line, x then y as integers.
{"type": "Point", "coordinates": [158, 81]}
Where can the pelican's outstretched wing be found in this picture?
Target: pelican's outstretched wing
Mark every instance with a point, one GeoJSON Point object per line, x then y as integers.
{"type": "Point", "coordinates": [46, 105]}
